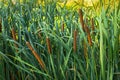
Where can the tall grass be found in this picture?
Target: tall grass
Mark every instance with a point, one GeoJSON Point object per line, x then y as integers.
{"type": "Point", "coordinates": [48, 42]}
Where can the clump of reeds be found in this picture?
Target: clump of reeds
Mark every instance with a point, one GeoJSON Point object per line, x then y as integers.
{"type": "Point", "coordinates": [48, 45]}
{"type": "Point", "coordinates": [75, 41]}
{"type": "Point", "coordinates": [81, 18]}
{"type": "Point", "coordinates": [36, 55]}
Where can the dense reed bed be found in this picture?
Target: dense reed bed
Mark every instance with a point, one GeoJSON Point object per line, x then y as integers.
{"type": "Point", "coordinates": [47, 41]}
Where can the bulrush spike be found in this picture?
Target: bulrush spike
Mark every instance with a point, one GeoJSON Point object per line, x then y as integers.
{"type": "Point", "coordinates": [85, 50]}
{"type": "Point", "coordinates": [92, 23]}
{"type": "Point", "coordinates": [14, 37]}
{"type": "Point", "coordinates": [36, 55]}
{"type": "Point", "coordinates": [48, 45]}
{"type": "Point", "coordinates": [62, 28]}
{"type": "Point", "coordinates": [88, 35]}
{"type": "Point", "coordinates": [13, 34]}
{"type": "Point", "coordinates": [81, 18]}
{"type": "Point", "coordinates": [75, 41]}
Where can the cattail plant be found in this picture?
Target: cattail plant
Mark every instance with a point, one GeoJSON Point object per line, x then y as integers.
{"type": "Point", "coordinates": [62, 27]}
{"type": "Point", "coordinates": [75, 41]}
{"type": "Point", "coordinates": [85, 50]}
{"type": "Point", "coordinates": [88, 35]}
{"type": "Point", "coordinates": [13, 34]}
{"type": "Point", "coordinates": [92, 24]}
{"type": "Point", "coordinates": [48, 45]}
{"type": "Point", "coordinates": [81, 18]}
{"type": "Point", "coordinates": [14, 37]}
{"type": "Point", "coordinates": [41, 63]}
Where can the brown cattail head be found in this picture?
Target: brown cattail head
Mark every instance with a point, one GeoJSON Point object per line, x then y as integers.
{"type": "Point", "coordinates": [89, 39]}
{"type": "Point", "coordinates": [92, 23]}
{"type": "Point", "coordinates": [81, 18]}
{"type": "Point", "coordinates": [62, 28]}
{"type": "Point", "coordinates": [36, 55]}
{"type": "Point", "coordinates": [88, 35]}
{"type": "Point", "coordinates": [75, 41]}
{"type": "Point", "coordinates": [13, 34]}
{"type": "Point", "coordinates": [85, 50]}
{"type": "Point", "coordinates": [14, 37]}
{"type": "Point", "coordinates": [0, 26]}
{"type": "Point", "coordinates": [48, 45]}
{"type": "Point", "coordinates": [86, 29]}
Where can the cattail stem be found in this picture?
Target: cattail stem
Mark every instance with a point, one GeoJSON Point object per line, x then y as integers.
{"type": "Point", "coordinates": [81, 18]}
{"type": "Point", "coordinates": [36, 55]}
{"type": "Point", "coordinates": [75, 41]}
{"type": "Point", "coordinates": [48, 45]}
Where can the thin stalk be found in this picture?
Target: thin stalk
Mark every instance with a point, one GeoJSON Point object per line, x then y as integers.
{"type": "Point", "coordinates": [74, 70]}
{"type": "Point", "coordinates": [0, 26]}
{"type": "Point", "coordinates": [51, 60]}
